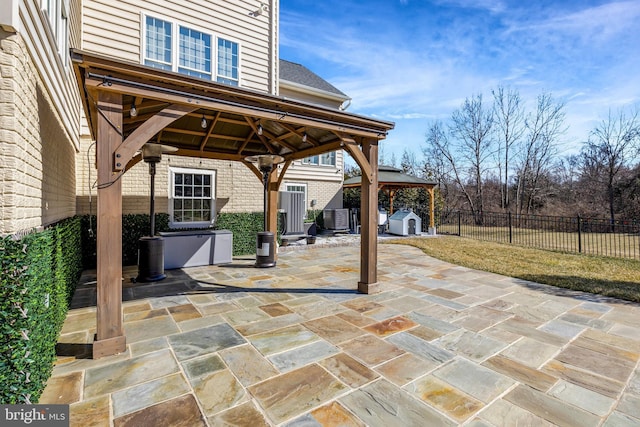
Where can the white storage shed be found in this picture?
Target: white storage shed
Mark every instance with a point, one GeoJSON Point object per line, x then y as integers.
{"type": "Point", "coordinates": [405, 223]}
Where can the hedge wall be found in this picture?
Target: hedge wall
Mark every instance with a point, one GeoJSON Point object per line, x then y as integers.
{"type": "Point", "coordinates": [37, 279]}
{"type": "Point", "coordinates": [134, 226]}
{"type": "Point", "coordinates": [244, 227]}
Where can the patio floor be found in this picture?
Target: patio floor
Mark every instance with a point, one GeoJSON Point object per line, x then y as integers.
{"type": "Point", "coordinates": [296, 345]}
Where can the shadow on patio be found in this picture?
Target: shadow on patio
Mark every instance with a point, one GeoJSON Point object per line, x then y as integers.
{"type": "Point", "coordinates": [297, 345]}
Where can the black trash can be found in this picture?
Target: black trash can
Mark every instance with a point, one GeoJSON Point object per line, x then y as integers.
{"type": "Point", "coordinates": [265, 250]}
{"type": "Point", "coordinates": [150, 259]}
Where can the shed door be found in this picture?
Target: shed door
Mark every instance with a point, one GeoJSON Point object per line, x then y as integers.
{"type": "Point", "coordinates": [412, 226]}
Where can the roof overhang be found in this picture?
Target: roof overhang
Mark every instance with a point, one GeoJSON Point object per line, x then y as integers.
{"type": "Point", "coordinates": [285, 84]}
{"type": "Point", "coordinates": [239, 122]}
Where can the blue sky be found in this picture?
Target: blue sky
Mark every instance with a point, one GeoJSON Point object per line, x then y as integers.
{"type": "Point", "coordinates": [412, 62]}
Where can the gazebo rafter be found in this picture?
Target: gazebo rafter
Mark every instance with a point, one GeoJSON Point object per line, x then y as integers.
{"type": "Point", "coordinates": [171, 110]}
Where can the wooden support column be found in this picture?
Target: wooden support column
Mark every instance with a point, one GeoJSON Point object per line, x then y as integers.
{"type": "Point", "coordinates": [110, 337]}
{"type": "Point", "coordinates": [432, 209]}
{"type": "Point", "coordinates": [369, 219]}
{"type": "Point", "coordinates": [272, 202]}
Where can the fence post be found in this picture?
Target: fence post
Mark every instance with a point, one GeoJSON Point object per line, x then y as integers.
{"type": "Point", "coordinates": [510, 230]}
{"type": "Point", "coordinates": [579, 234]}
{"type": "Point", "coordinates": [459, 223]}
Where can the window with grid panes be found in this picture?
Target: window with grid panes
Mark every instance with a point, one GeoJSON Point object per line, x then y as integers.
{"type": "Point", "coordinates": [172, 46]}
{"type": "Point", "coordinates": [192, 197]}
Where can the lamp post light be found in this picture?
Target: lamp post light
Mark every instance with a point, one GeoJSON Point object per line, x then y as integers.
{"type": "Point", "coordinates": [265, 242]}
{"type": "Point", "coordinates": [151, 247]}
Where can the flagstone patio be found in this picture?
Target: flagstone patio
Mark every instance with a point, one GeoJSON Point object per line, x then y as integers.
{"type": "Point", "coordinates": [296, 345]}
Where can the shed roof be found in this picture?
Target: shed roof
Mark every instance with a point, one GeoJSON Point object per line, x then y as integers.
{"type": "Point", "coordinates": [389, 176]}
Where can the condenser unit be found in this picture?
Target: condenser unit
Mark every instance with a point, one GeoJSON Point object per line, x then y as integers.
{"type": "Point", "coordinates": [292, 203]}
{"type": "Point", "coordinates": [336, 219]}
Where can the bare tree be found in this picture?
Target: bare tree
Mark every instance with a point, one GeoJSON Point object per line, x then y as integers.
{"type": "Point", "coordinates": [470, 130]}
{"type": "Point", "coordinates": [408, 162]}
{"type": "Point", "coordinates": [509, 125]}
{"type": "Point", "coordinates": [539, 150]}
{"type": "Point", "coordinates": [460, 153]}
{"type": "Point", "coordinates": [611, 146]}
{"type": "Point", "coordinates": [439, 163]}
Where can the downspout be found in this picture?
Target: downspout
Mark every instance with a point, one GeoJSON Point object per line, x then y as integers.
{"type": "Point", "coordinates": [274, 27]}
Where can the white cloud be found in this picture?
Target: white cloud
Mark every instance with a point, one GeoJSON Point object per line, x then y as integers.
{"type": "Point", "coordinates": [587, 57]}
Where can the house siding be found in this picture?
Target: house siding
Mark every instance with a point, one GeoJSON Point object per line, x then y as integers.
{"type": "Point", "coordinates": [37, 162]}
{"type": "Point", "coordinates": [114, 28]}
{"type": "Point", "coordinates": [237, 189]}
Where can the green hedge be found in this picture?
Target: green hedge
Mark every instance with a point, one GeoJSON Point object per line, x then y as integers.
{"type": "Point", "coordinates": [244, 227]}
{"type": "Point", "coordinates": [134, 226]}
{"type": "Point", "coordinates": [37, 280]}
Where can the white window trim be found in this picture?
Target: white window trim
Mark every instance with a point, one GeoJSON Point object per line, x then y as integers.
{"type": "Point", "coordinates": [215, 54]}
{"type": "Point", "coordinates": [193, 224]}
{"type": "Point", "coordinates": [175, 44]}
{"type": "Point", "coordinates": [319, 164]}
{"type": "Point", "coordinates": [57, 13]}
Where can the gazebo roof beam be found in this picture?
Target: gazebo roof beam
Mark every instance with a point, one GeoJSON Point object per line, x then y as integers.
{"type": "Point", "coordinates": [123, 86]}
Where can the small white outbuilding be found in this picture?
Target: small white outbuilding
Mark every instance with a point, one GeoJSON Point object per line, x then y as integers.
{"type": "Point", "coordinates": [404, 223]}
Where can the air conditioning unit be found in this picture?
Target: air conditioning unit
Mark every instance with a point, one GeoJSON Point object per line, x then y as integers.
{"type": "Point", "coordinates": [292, 203]}
{"type": "Point", "coordinates": [336, 219]}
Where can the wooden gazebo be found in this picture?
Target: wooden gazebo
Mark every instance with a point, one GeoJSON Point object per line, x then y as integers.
{"type": "Point", "coordinates": [391, 179]}
{"type": "Point", "coordinates": [240, 123]}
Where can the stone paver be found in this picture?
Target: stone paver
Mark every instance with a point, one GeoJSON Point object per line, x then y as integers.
{"type": "Point", "coordinates": [296, 346]}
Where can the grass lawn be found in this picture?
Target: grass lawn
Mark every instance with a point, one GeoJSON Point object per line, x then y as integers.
{"type": "Point", "coordinates": [614, 277]}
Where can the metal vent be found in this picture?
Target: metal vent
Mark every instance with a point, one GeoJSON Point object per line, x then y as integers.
{"type": "Point", "coordinates": [336, 219]}
{"type": "Point", "coordinates": [292, 202]}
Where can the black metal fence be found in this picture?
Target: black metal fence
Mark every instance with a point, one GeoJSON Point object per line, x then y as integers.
{"type": "Point", "coordinates": [593, 236]}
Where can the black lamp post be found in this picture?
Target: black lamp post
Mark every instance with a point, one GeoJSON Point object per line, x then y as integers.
{"type": "Point", "coordinates": [151, 247]}
{"type": "Point", "coordinates": [265, 242]}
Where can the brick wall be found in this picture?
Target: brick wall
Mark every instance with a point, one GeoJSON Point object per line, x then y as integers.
{"type": "Point", "coordinates": [237, 188]}
{"type": "Point", "coordinates": [37, 158]}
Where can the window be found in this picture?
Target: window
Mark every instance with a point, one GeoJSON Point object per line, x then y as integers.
{"type": "Point", "coordinates": [302, 188]}
{"type": "Point", "coordinates": [158, 43]}
{"type": "Point", "coordinates": [326, 159]}
{"type": "Point", "coordinates": [57, 14]}
{"type": "Point", "coordinates": [227, 62]}
{"type": "Point", "coordinates": [195, 53]}
{"type": "Point", "coordinates": [174, 47]}
{"type": "Point", "coordinates": [192, 197]}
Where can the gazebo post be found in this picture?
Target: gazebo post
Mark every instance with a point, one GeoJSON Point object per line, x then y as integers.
{"type": "Point", "coordinates": [369, 217]}
{"type": "Point", "coordinates": [110, 338]}
{"type": "Point", "coordinates": [272, 203]}
{"type": "Point", "coordinates": [432, 210]}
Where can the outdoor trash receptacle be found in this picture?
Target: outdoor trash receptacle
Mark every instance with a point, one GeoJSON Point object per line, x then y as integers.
{"type": "Point", "coordinates": [265, 249]}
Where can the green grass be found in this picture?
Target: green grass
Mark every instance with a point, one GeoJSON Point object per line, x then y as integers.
{"type": "Point", "coordinates": [614, 277]}
{"type": "Point", "coordinates": [608, 244]}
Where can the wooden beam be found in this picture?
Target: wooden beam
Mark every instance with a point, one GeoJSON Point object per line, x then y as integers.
{"type": "Point", "coordinates": [369, 218]}
{"type": "Point", "coordinates": [263, 138]}
{"type": "Point", "coordinates": [253, 169]}
{"type": "Point", "coordinates": [333, 146]}
{"type": "Point", "coordinates": [146, 131]}
{"type": "Point", "coordinates": [353, 148]}
{"type": "Point", "coordinates": [208, 154]}
{"type": "Point", "coordinates": [110, 337]}
{"type": "Point", "coordinates": [332, 124]}
{"type": "Point", "coordinates": [272, 202]}
{"type": "Point", "coordinates": [432, 208]}
{"type": "Point", "coordinates": [214, 120]}
{"type": "Point", "coordinates": [285, 166]}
